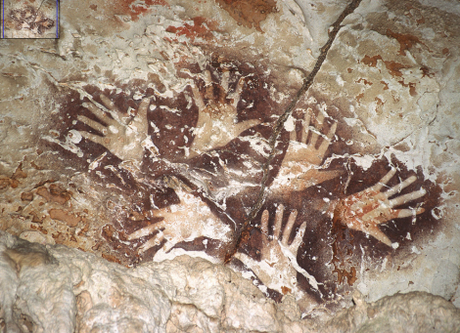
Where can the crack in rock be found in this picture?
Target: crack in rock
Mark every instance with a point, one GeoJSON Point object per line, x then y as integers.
{"type": "Point", "coordinates": [307, 82]}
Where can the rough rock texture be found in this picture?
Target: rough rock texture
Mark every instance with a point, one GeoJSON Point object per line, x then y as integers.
{"type": "Point", "coordinates": [72, 291]}
{"type": "Point", "coordinates": [309, 149]}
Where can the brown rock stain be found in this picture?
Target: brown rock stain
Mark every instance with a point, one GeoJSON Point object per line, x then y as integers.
{"type": "Point", "coordinates": [406, 41]}
{"type": "Point", "coordinates": [201, 28]}
{"type": "Point", "coordinates": [249, 13]}
{"type": "Point", "coordinates": [135, 8]}
{"type": "Point", "coordinates": [64, 216]}
{"type": "Point", "coordinates": [55, 193]}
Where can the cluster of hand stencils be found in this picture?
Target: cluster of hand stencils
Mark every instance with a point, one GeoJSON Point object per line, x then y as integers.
{"type": "Point", "coordinates": [126, 136]}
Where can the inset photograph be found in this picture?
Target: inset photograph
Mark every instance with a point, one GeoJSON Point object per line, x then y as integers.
{"type": "Point", "coordinates": [30, 19]}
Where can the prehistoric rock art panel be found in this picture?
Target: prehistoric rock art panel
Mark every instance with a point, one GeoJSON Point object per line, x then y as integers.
{"type": "Point", "coordinates": [191, 188]}
{"type": "Point", "coordinates": [30, 19]}
{"type": "Point", "coordinates": [202, 158]}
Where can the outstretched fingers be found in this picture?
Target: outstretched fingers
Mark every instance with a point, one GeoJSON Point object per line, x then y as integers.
{"type": "Point", "coordinates": [385, 214]}
{"type": "Point", "coordinates": [398, 188]}
{"type": "Point", "coordinates": [142, 232]}
{"type": "Point", "coordinates": [94, 138]}
{"type": "Point", "coordinates": [101, 115]}
{"type": "Point", "coordinates": [319, 127]}
{"type": "Point", "coordinates": [402, 199]}
{"type": "Point", "coordinates": [93, 124]}
{"type": "Point", "coordinates": [288, 227]}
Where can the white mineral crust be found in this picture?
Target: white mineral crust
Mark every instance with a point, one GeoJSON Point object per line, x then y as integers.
{"type": "Point", "coordinates": [73, 291]}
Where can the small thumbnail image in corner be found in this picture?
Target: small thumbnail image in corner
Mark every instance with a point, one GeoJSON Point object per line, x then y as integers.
{"type": "Point", "coordinates": [30, 19]}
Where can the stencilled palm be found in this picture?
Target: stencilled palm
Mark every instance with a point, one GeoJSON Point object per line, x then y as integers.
{"type": "Point", "coordinates": [217, 119]}
{"type": "Point", "coordinates": [189, 219]}
{"type": "Point", "coordinates": [123, 135]}
{"type": "Point", "coordinates": [365, 210]}
{"type": "Point", "coordinates": [304, 152]}
{"type": "Point", "coordinates": [278, 266]}
{"type": "Point", "coordinates": [301, 163]}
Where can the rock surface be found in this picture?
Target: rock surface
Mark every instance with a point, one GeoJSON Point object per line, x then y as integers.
{"type": "Point", "coordinates": [68, 290]}
{"type": "Point", "coordinates": [166, 135]}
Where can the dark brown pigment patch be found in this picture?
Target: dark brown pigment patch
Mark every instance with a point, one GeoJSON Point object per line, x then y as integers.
{"type": "Point", "coordinates": [249, 13]}
{"type": "Point", "coordinates": [172, 132]}
{"type": "Point", "coordinates": [201, 28]}
{"type": "Point", "coordinates": [406, 41]}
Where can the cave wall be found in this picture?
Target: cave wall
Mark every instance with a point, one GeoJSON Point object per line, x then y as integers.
{"type": "Point", "coordinates": [308, 149]}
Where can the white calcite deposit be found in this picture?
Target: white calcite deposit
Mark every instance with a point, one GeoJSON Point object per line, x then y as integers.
{"type": "Point", "coordinates": [58, 289]}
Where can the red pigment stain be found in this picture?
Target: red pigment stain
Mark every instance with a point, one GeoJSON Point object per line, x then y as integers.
{"type": "Point", "coordinates": [135, 11]}
{"type": "Point", "coordinates": [411, 86]}
{"type": "Point", "coordinates": [393, 67]}
{"type": "Point", "coordinates": [406, 41]}
{"type": "Point", "coordinates": [201, 28]}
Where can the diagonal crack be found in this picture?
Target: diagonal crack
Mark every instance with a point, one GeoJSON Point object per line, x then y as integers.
{"type": "Point", "coordinates": [307, 82]}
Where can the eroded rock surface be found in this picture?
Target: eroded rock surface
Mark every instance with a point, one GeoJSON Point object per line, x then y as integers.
{"type": "Point", "coordinates": [59, 289]}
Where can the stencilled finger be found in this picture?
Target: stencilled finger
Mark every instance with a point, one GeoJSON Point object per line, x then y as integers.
{"type": "Point", "coordinates": [141, 117]}
{"type": "Point", "coordinates": [406, 198]}
{"type": "Point", "coordinates": [224, 81]}
{"type": "Point", "coordinates": [101, 115]}
{"type": "Point", "coordinates": [243, 126]}
{"type": "Point", "coordinates": [380, 214]}
{"type": "Point", "coordinates": [93, 124]}
{"type": "Point", "coordinates": [94, 138]}
{"type": "Point", "coordinates": [385, 179]}
{"type": "Point", "coordinates": [264, 226]}
{"type": "Point", "coordinates": [237, 94]}
{"type": "Point", "coordinates": [409, 212]}
{"type": "Point", "coordinates": [398, 188]}
{"type": "Point", "coordinates": [110, 105]}
{"type": "Point", "coordinates": [298, 238]}
{"type": "Point", "coordinates": [120, 117]}
{"type": "Point", "coordinates": [145, 231]}
{"type": "Point", "coordinates": [319, 127]}
{"type": "Point", "coordinates": [379, 235]}
{"type": "Point", "coordinates": [278, 221]}
{"type": "Point", "coordinates": [209, 92]}
{"type": "Point", "coordinates": [197, 97]}
{"type": "Point", "coordinates": [327, 141]}
{"type": "Point", "coordinates": [306, 126]}
{"type": "Point", "coordinates": [152, 242]}
{"type": "Point", "coordinates": [288, 228]}
{"type": "Point", "coordinates": [293, 134]}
